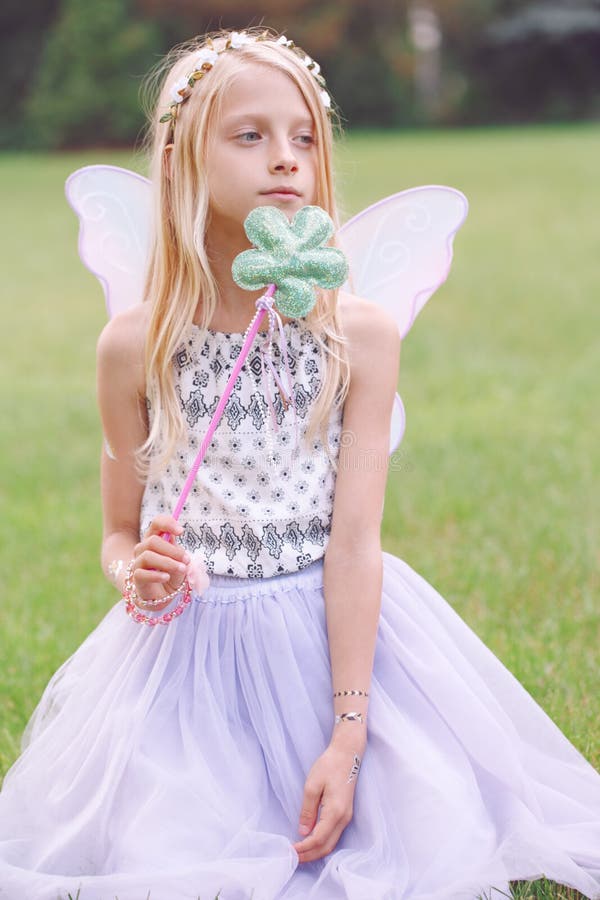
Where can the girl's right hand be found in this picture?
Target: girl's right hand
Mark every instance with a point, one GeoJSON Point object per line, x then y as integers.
{"type": "Point", "coordinates": [159, 566]}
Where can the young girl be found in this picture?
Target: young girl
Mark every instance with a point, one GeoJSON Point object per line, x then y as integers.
{"type": "Point", "coordinates": [318, 722]}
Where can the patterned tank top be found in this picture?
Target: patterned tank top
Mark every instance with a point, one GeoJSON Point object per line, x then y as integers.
{"type": "Point", "coordinates": [260, 505]}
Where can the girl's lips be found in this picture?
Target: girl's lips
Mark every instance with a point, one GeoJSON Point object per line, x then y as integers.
{"type": "Point", "coordinates": [282, 195]}
{"type": "Point", "coordinates": [281, 191]}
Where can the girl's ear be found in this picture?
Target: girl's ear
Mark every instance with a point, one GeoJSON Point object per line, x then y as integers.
{"type": "Point", "coordinates": [167, 160]}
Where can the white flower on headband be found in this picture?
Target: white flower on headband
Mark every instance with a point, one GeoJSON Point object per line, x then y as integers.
{"type": "Point", "coordinates": [180, 85]}
{"type": "Point", "coordinates": [326, 99]}
{"type": "Point", "coordinates": [239, 38]}
{"type": "Point", "coordinates": [206, 55]}
{"type": "Point", "coordinates": [284, 42]}
{"type": "Point", "coordinates": [314, 67]}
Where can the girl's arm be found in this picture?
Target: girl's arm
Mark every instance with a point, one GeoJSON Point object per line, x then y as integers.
{"type": "Point", "coordinates": [353, 560]}
{"type": "Point", "coordinates": [352, 570]}
{"type": "Point", "coordinates": [121, 399]}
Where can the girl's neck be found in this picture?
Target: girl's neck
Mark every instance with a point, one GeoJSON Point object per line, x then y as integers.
{"type": "Point", "coordinates": [235, 310]}
{"type": "Point", "coordinates": [236, 307]}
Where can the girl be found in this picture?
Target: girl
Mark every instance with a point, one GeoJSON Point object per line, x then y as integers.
{"type": "Point", "coordinates": [318, 723]}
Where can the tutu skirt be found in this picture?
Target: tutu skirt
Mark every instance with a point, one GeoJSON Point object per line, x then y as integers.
{"type": "Point", "coordinates": [169, 763]}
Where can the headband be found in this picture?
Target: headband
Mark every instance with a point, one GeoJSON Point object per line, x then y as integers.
{"type": "Point", "coordinates": [208, 55]}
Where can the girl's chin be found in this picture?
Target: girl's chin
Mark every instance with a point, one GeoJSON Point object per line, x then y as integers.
{"type": "Point", "coordinates": [288, 204]}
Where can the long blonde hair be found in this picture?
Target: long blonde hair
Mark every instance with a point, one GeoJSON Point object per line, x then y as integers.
{"type": "Point", "coordinates": [179, 272]}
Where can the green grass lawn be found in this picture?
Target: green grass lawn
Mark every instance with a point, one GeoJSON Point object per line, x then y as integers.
{"type": "Point", "coordinates": [493, 496]}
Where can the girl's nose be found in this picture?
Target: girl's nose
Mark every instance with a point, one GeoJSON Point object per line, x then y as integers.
{"type": "Point", "coordinates": [285, 164]}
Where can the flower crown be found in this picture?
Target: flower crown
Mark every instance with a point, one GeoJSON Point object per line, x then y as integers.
{"type": "Point", "coordinates": [208, 56]}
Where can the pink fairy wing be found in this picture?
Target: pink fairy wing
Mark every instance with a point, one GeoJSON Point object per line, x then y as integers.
{"type": "Point", "coordinates": [114, 210]}
{"type": "Point", "coordinates": [400, 249]}
{"type": "Point", "coordinates": [400, 252]}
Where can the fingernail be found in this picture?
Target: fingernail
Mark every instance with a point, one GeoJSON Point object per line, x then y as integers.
{"type": "Point", "coordinates": [304, 829]}
{"type": "Point", "coordinates": [186, 557]}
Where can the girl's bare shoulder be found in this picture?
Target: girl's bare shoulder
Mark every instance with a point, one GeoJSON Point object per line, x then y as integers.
{"type": "Point", "coordinates": [370, 329]}
{"type": "Point", "coordinates": [121, 344]}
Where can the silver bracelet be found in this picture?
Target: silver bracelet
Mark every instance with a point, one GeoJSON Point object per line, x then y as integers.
{"type": "Point", "coordinates": [349, 717]}
{"type": "Point", "coordinates": [351, 694]}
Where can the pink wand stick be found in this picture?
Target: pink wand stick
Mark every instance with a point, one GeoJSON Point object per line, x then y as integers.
{"type": "Point", "coordinates": [220, 409]}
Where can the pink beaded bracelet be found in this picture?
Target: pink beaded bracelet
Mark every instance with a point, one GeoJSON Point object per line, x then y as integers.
{"type": "Point", "coordinates": [130, 595]}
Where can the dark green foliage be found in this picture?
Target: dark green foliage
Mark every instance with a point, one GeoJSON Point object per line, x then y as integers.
{"type": "Point", "coordinates": [86, 81]}
{"type": "Point", "coordinates": [22, 39]}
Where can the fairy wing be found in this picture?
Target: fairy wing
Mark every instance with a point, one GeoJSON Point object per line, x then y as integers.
{"type": "Point", "coordinates": [114, 210]}
{"type": "Point", "coordinates": [400, 252]}
{"type": "Point", "coordinates": [400, 249]}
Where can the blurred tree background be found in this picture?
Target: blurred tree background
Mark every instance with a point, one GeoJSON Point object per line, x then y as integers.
{"type": "Point", "coordinates": [73, 68]}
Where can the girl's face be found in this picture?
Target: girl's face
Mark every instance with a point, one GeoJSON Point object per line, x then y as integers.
{"type": "Point", "coordinates": [262, 151]}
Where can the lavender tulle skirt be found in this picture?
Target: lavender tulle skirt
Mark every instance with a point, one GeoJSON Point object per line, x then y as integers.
{"type": "Point", "coordinates": [170, 763]}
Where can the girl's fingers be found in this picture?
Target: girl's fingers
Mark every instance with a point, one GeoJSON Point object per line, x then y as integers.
{"type": "Point", "coordinates": [159, 565]}
{"type": "Point", "coordinates": [313, 793]}
{"type": "Point", "coordinates": [162, 523]}
{"type": "Point", "coordinates": [162, 547]}
{"type": "Point", "coordinates": [321, 841]}
{"type": "Point", "coordinates": [149, 563]}
{"type": "Point", "coordinates": [151, 576]}
{"type": "Point", "coordinates": [152, 584]}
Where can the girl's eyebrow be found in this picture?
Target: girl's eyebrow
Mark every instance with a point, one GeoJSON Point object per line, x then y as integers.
{"type": "Point", "coordinates": [260, 117]}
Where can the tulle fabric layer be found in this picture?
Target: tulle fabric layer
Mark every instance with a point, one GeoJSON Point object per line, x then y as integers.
{"type": "Point", "coordinates": [170, 763]}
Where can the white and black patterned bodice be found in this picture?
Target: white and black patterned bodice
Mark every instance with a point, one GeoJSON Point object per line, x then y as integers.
{"type": "Point", "coordinates": [251, 516]}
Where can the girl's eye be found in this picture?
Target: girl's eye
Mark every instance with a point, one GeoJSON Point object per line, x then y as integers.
{"type": "Point", "coordinates": [249, 137]}
{"type": "Point", "coordinates": [306, 139]}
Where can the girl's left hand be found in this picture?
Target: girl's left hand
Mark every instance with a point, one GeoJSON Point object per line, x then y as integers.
{"type": "Point", "coordinates": [327, 784]}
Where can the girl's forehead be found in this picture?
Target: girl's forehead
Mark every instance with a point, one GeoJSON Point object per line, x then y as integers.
{"type": "Point", "coordinates": [265, 89]}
